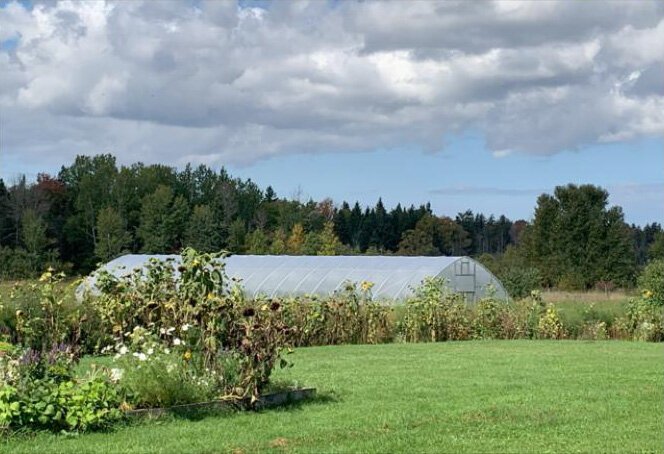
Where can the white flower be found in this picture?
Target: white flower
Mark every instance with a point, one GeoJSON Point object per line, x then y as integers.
{"type": "Point", "coordinates": [162, 331]}
{"type": "Point", "coordinates": [141, 356]}
{"type": "Point", "coordinates": [170, 330]}
{"type": "Point", "coordinates": [116, 374]}
{"type": "Point", "coordinates": [186, 327]}
{"type": "Point", "coordinates": [177, 341]}
{"type": "Point", "coordinates": [167, 350]}
{"type": "Point", "coordinates": [150, 351]}
{"type": "Point", "coordinates": [124, 350]}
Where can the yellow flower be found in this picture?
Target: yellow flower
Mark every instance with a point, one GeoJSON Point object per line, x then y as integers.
{"type": "Point", "coordinates": [647, 294]}
{"type": "Point", "coordinates": [210, 295]}
{"type": "Point", "coordinates": [366, 285]}
{"type": "Point", "coordinates": [187, 355]}
{"type": "Point", "coordinates": [45, 277]}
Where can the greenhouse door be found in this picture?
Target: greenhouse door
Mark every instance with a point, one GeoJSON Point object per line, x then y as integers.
{"type": "Point", "coordinates": [464, 278]}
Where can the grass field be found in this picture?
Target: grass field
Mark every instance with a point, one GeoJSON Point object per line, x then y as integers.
{"type": "Point", "coordinates": [493, 396]}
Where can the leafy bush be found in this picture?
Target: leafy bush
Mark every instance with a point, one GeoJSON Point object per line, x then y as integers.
{"type": "Point", "coordinates": [39, 391]}
{"type": "Point", "coordinates": [162, 380]}
{"type": "Point", "coordinates": [651, 282]}
{"type": "Point", "coordinates": [519, 282]}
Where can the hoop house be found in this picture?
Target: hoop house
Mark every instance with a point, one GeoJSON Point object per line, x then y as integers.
{"type": "Point", "coordinates": [394, 278]}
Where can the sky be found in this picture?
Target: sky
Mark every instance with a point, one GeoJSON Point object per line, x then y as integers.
{"type": "Point", "coordinates": [468, 105]}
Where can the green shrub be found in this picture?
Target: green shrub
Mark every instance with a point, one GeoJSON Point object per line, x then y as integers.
{"type": "Point", "coordinates": [162, 380]}
{"type": "Point", "coordinates": [39, 391]}
{"type": "Point", "coordinates": [519, 282]}
{"type": "Point", "coordinates": [651, 282]}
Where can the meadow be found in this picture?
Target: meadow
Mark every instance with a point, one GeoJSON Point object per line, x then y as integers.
{"type": "Point", "coordinates": [474, 396]}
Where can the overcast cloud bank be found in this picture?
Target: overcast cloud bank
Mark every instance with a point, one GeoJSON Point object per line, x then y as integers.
{"type": "Point", "coordinates": [216, 83]}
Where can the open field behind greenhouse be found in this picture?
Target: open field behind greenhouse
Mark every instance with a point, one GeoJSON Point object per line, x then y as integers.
{"type": "Point", "coordinates": [478, 396]}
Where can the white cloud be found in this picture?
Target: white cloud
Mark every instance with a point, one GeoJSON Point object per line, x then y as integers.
{"type": "Point", "coordinates": [216, 83]}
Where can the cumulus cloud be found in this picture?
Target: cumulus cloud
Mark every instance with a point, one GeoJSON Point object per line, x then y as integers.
{"type": "Point", "coordinates": [219, 82]}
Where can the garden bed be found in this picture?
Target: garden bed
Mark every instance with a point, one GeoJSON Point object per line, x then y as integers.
{"type": "Point", "coordinates": [269, 400]}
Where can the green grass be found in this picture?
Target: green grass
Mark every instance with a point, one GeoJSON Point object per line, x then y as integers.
{"type": "Point", "coordinates": [493, 396]}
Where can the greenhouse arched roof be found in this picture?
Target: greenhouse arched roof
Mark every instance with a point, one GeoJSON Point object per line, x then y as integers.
{"type": "Point", "coordinates": [394, 277]}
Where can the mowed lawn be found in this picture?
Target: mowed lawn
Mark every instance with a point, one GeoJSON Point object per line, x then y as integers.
{"type": "Point", "coordinates": [491, 396]}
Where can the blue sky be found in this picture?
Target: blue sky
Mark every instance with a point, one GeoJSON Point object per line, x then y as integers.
{"type": "Point", "coordinates": [339, 98]}
{"type": "Point", "coordinates": [467, 176]}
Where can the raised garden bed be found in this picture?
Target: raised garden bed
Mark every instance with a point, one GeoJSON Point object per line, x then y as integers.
{"type": "Point", "coordinates": [266, 401]}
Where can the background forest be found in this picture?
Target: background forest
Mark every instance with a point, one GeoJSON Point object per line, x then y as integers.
{"type": "Point", "coordinates": [95, 210]}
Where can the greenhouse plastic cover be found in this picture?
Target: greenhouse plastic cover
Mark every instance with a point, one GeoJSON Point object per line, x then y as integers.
{"type": "Point", "coordinates": [393, 277]}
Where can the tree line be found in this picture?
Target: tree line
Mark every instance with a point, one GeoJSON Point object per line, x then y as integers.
{"type": "Point", "coordinates": [95, 210]}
